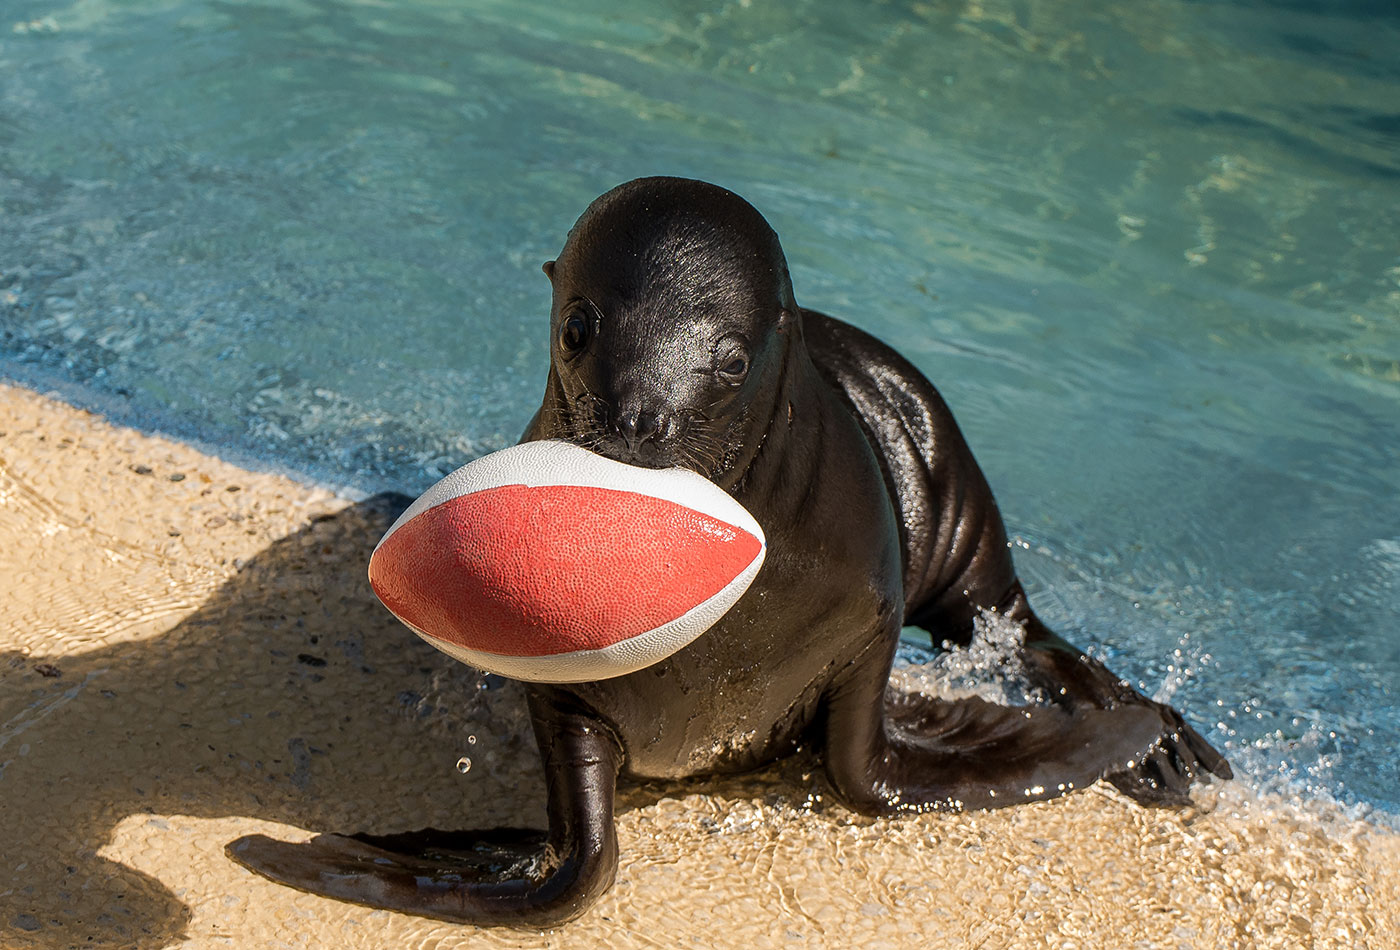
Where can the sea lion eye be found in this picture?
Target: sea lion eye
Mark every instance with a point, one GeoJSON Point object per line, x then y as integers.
{"type": "Point", "coordinates": [734, 368]}
{"type": "Point", "coordinates": [575, 332]}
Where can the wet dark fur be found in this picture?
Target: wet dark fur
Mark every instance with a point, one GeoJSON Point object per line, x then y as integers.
{"type": "Point", "coordinates": [677, 341]}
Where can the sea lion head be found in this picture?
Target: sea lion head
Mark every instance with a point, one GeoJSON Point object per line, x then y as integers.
{"type": "Point", "coordinates": [672, 321]}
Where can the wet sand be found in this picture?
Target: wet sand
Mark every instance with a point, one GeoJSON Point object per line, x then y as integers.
{"type": "Point", "coordinates": [189, 652]}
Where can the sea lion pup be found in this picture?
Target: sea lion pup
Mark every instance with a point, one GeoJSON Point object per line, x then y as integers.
{"type": "Point", "coordinates": [676, 341]}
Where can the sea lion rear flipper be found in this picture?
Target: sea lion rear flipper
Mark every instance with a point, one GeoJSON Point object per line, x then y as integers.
{"type": "Point", "coordinates": [915, 752]}
{"type": "Point", "coordinates": [1162, 775]}
{"type": "Point", "coordinates": [499, 876]}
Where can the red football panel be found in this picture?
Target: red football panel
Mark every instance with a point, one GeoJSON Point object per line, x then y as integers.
{"type": "Point", "coordinates": [537, 571]}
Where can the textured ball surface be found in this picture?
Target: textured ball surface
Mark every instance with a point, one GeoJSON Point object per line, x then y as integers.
{"type": "Point", "coordinates": [550, 563]}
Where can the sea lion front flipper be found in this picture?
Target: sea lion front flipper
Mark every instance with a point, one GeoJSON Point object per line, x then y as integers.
{"type": "Point", "coordinates": [910, 752]}
{"type": "Point", "coordinates": [500, 876]}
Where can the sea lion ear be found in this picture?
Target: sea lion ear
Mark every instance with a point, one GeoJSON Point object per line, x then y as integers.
{"type": "Point", "coordinates": [548, 269]}
{"type": "Point", "coordinates": [786, 320]}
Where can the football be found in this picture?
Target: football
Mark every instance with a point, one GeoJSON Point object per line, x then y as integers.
{"type": "Point", "coordinates": [550, 563]}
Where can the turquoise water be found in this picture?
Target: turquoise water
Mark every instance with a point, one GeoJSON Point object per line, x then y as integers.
{"type": "Point", "coordinates": [1150, 253]}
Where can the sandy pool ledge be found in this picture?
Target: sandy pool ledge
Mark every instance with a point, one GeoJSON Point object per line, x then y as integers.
{"type": "Point", "coordinates": [188, 652]}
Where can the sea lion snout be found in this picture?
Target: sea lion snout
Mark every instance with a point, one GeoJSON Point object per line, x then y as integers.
{"type": "Point", "coordinates": [651, 433]}
{"type": "Point", "coordinates": [641, 433]}
{"type": "Point", "coordinates": [636, 426]}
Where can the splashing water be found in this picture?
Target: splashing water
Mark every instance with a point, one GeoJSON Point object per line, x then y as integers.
{"type": "Point", "coordinates": [989, 666]}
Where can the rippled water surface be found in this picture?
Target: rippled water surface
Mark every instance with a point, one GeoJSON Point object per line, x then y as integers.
{"type": "Point", "coordinates": [1148, 252]}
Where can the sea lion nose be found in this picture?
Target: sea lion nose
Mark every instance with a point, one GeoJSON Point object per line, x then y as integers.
{"type": "Point", "coordinates": [637, 426]}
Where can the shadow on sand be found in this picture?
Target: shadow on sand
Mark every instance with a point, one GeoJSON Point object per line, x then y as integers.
{"type": "Point", "coordinates": [291, 695]}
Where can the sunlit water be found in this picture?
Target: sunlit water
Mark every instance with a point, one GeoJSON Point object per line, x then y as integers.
{"type": "Point", "coordinates": [1147, 251]}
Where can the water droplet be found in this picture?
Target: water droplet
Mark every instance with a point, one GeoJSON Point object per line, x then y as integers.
{"type": "Point", "coordinates": [464, 765]}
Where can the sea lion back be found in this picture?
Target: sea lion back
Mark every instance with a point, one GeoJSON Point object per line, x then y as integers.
{"type": "Point", "coordinates": [951, 534]}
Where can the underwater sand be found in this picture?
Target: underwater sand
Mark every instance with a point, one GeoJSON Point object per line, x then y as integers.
{"type": "Point", "coordinates": [189, 652]}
